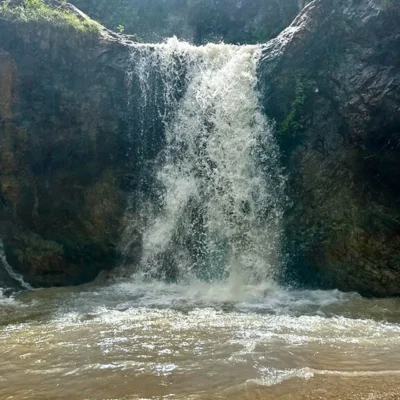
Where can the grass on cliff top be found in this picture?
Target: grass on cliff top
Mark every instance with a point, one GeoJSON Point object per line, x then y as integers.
{"type": "Point", "coordinates": [39, 11]}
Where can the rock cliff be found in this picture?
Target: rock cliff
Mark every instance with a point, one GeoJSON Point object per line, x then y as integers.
{"type": "Point", "coordinates": [198, 21]}
{"type": "Point", "coordinates": [62, 149]}
{"type": "Point", "coordinates": [68, 143]}
{"type": "Point", "coordinates": [332, 82]}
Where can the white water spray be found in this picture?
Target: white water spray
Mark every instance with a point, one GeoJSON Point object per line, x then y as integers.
{"type": "Point", "coordinates": [11, 273]}
{"type": "Point", "coordinates": [219, 186]}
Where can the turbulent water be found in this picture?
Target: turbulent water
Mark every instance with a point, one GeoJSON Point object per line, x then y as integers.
{"type": "Point", "coordinates": [16, 277]}
{"type": "Point", "coordinates": [218, 186]}
{"type": "Point", "coordinates": [138, 340]}
{"type": "Point", "coordinates": [195, 313]}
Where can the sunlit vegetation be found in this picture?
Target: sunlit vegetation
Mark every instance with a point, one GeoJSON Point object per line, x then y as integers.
{"type": "Point", "coordinates": [40, 12]}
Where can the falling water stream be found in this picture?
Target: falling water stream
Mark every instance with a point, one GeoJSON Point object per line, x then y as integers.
{"type": "Point", "coordinates": [195, 312]}
{"type": "Point", "coordinates": [218, 185]}
{"type": "Point", "coordinates": [15, 276]}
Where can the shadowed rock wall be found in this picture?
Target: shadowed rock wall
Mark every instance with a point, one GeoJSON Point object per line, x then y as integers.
{"type": "Point", "coordinates": [62, 151]}
{"type": "Point", "coordinates": [332, 83]}
{"type": "Point", "coordinates": [198, 21]}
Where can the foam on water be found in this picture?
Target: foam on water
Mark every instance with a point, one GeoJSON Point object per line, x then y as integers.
{"type": "Point", "coordinates": [272, 376]}
{"type": "Point", "coordinates": [208, 339]}
{"type": "Point", "coordinates": [263, 297]}
{"type": "Point", "coordinates": [10, 271]}
{"type": "Point", "coordinates": [6, 300]}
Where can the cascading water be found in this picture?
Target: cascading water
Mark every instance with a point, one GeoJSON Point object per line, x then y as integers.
{"type": "Point", "coordinates": [15, 276]}
{"type": "Point", "coordinates": [215, 207]}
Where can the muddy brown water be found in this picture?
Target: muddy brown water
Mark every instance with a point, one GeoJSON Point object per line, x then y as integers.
{"type": "Point", "coordinates": [158, 341]}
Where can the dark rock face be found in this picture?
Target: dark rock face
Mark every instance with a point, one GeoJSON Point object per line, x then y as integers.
{"type": "Point", "coordinates": [198, 21]}
{"type": "Point", "coordinates": [69, 147]}
{"type": "Point", "coordinates": [332, 83]}
{"type": "Point", "coordinates": [63, 151]}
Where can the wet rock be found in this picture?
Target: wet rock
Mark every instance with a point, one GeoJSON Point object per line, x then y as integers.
{"type": "Point", "coordinates": [197, 21]}
{"type": "Point", "coordinates": [331, 81]}
{"type": "Point", "coordinates": [63, 154]}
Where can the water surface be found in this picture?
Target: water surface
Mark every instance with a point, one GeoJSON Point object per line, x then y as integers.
{"type": "Point", "coordinates": [132, 340]}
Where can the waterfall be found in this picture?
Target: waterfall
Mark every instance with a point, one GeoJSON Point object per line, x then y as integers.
{"type": "Point", "coordinates": [9, 270]}
{"type": "Point", "coordinates": [215, 205]}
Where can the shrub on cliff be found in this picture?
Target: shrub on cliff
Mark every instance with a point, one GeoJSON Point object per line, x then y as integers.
{"type": "Point", "coordinates": [39, 11]}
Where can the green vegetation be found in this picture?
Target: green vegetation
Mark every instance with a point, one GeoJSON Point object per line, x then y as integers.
{"type": "Point", "coordinates": [294, 123]}
{"type": "Point", "coordinates": [388, 5]}
{"type": "Point", "coordinates": [39, 11]}
{"type": "Point", "coordinates": [36, 249]}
